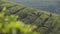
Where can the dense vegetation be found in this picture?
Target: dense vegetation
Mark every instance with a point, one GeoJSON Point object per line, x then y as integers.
{"type": "Point", "coordinates": [10, 25]}
{"type": "Point", "coordinates": [46, 22]}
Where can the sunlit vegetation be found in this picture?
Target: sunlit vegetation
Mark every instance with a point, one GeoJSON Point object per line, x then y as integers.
{"type": "Point", "coordinates": [10, 25]}
{"type": "Point", "coordinates": [38, 20]}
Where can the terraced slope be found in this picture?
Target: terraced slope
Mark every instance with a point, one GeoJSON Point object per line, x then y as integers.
{"type": "Point", "coordinates": [48, 23]}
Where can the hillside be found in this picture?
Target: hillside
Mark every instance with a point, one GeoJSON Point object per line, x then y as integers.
{"type": "Point", "coordinates": [48, 23]}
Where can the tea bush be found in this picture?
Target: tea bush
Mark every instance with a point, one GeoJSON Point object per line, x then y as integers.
{"type": "Point", "coordinates": [10, 25]}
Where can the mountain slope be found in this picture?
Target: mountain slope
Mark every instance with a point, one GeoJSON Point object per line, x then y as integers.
{"type": "Point", "coordinates": [48, 23]}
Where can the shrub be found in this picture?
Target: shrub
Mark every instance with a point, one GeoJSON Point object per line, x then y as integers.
{"type": "Point", "coordinates": [10, 25]}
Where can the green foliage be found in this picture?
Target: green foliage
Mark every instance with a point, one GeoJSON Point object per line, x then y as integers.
{"type": "Point", "coordinates": [46, 22]}
{"type": "Point", "coordinates": [10, 22]}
